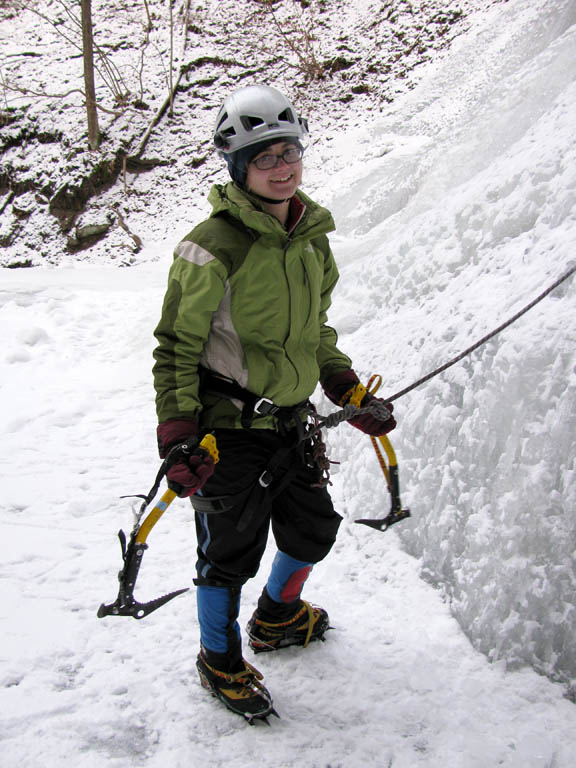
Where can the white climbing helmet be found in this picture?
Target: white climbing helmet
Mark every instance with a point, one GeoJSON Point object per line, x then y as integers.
{"type": "Point", "coordinates": [253, 114]}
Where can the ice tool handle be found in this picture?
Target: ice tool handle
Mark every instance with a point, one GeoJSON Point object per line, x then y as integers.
{"type": "Point", "coordinates": [390, 470]}
{"type": "Point", "coordinates": [133, 550]}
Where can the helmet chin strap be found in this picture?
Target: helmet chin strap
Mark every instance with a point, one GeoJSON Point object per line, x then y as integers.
{"type": "Point", "coordinates": [268, 200]}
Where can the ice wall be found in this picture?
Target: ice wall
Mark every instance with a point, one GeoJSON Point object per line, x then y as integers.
{"type": "Point", "coordinates": [462, 210]}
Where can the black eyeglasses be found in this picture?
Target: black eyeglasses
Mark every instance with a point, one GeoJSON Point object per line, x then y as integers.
{"type": "Point", "coordinates": [290, 156]}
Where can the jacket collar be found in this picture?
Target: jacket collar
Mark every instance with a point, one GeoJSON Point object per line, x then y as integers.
{"type": "Point", "coordinates": [308, 220]}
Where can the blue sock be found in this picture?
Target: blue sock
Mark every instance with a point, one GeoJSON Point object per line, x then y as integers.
{"type": "Point", "coordinates": [218, 609]}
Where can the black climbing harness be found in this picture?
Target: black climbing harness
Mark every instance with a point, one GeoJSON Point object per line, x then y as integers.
{"type": "Point", "coordinates": [307, 443]}
{"type": "Point", "coordinates": [298, 424]}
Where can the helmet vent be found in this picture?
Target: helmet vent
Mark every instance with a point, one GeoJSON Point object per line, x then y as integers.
{"type": "Point", "coordinates": [286, 116]}
{"type": "Point", "coordinates": [250, 122]}
{"type": "Point", "coordinates": [222, 119]}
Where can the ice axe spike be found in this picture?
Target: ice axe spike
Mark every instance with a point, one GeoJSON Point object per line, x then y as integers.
{"type": "Point", "coordinates": [135, 609]}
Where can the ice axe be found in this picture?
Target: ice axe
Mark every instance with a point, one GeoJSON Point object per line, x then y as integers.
{"type": "Point", "coordinates": [133, 550]}
{"type": "Point", "coordinates": [390, 470]}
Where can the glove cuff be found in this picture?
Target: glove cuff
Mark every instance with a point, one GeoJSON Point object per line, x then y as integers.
{"type": "Point", "coordinates": [170, 433]}
{"type": "Point", "coordinates": [338, 388]}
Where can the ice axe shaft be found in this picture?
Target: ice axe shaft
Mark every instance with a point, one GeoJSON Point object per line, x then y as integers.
{"type": "Point", "coordinates": [397, 512]}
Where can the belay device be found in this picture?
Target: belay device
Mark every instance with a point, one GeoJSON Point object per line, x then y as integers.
{"type": "Point", "coordinates": [133, 550]}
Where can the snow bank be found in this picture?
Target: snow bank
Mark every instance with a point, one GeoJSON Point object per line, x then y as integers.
{"type": "Point", "coordinates": [468, 213]}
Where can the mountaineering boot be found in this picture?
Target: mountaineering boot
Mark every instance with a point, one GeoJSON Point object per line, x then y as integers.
{"type": "Point", "coordinates": [240, 691]}
{"type": "Point", "coordinates": [308, 623]}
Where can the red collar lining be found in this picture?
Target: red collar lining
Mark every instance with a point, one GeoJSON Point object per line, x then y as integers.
{"type": "Point", "coordinates": [295, 213]}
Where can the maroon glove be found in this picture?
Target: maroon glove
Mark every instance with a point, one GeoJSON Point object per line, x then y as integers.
{"type": "Point", "coordinates": [339, 388]}
{"type": "Point", "coordinates": [190, 469]}
{"type": "Point", "coordinates": [372, 424]}
{"type": "Point", "coordinates": [173, 432]}
{"type": "Point", "coordinates": [189, 475]}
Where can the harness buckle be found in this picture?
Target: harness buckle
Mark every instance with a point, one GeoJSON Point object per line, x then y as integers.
{"type": "Point", "coordinates": [265, 407]}
{"type": "Point", "coordinates": [266, 478]}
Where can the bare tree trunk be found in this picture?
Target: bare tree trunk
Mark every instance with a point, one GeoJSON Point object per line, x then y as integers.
{"type": "Point", "coordinates": [88, 56]}
{"type": "Point", "coordinates": [186, 22]}
{"type": "Point", "coordinates": [150, 26]}
{"type": "Point", "coordinates": [170, 75]}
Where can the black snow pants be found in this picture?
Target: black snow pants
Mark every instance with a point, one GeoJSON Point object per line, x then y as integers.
{"type": "Point", "coordinates": [231, 543]}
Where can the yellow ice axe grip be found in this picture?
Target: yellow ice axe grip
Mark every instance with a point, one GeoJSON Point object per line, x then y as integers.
{"type": "Point", "coordinates": [208, 443]}
{"type": "Point", "coordinates": [154, 515]}
{"type": "Point", "coordinates": [387, 445]}
{"type": "Point", "coordinates": [358, 394]}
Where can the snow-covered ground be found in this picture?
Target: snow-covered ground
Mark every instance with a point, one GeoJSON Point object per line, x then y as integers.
{"type": "Point", "coordinates": [454, 210]}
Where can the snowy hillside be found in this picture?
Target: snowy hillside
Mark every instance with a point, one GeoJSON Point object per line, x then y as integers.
{"type": "Point", "coordinates": [455, 207]}
{"type": "Point", "coordinates": [343, 62]}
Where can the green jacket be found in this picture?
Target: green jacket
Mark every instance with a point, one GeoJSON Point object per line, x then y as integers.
{"type": "Point", "coordinates": [247, 300]}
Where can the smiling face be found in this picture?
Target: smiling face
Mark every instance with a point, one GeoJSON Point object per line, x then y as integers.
{"type": "Point", "coordinates": [279, 183]}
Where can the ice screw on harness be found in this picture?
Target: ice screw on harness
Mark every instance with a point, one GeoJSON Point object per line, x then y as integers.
{"type": "Point", "coordinates": [133, 550]}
